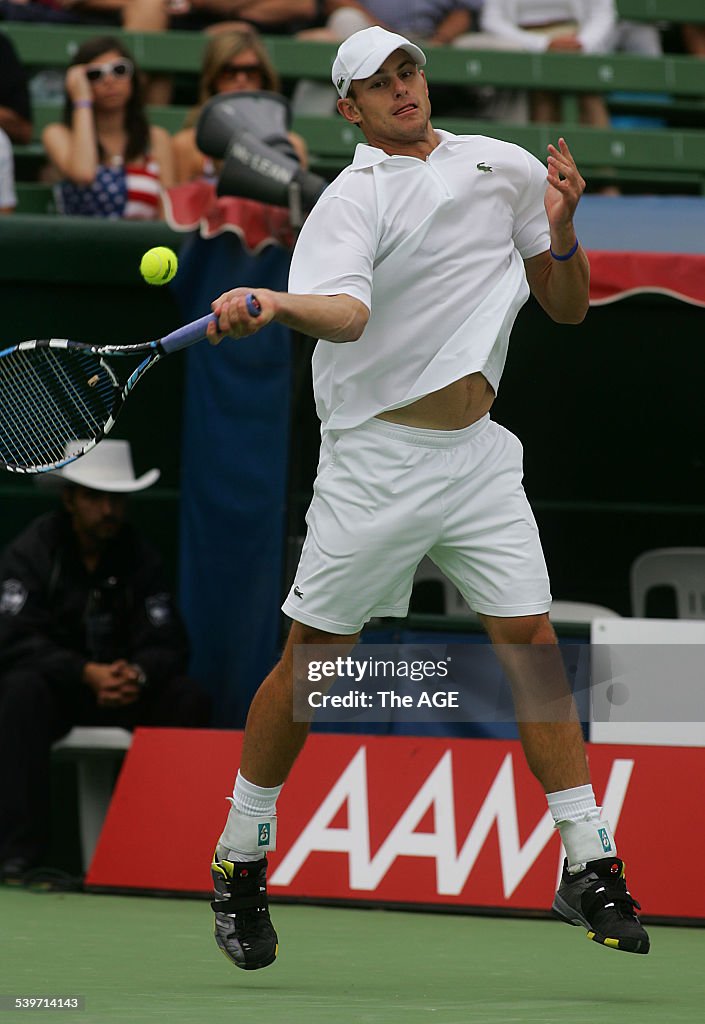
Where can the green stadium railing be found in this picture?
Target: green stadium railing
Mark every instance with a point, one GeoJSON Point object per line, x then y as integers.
{"type": "Point", "coordinates": [662, 10]}
{"type": "Point", "coordinates": [52, 46]}
{"type": "Point", "coordinates": [648, 158]}
{"type": "Point", "coordinates": [640, 156]}
{"type": "Point", "coordinates": [672, 87]}
{"type": "Point", "coordinates": [334, 140]}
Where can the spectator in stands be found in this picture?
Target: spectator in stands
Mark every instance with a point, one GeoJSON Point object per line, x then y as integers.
{"type": "Point", "coordinates": [134, 15]}
{"type": "Point", "coordinates": [637, 37]}
{"type": "Point", "coordinates": [89, 635]}
{"type": "Point", "coordinates": [563, 26]}
{"type": "Point", "coordinates": [232, 62]}
{"type": "Point", "coordinates": [693, 36]}
{"type": "Point", "coordinates": [15, 114]}
{"type": "Point", "coordinates": [110, 161]}
{"type": "Point", "coordinates": [437, 22]}
{"type": "Point", "coordinates": [8, 199]}
{"type": "Point", "coordinates": [43, 11]}
{"type": "Point", "coordinates": [275, 17]}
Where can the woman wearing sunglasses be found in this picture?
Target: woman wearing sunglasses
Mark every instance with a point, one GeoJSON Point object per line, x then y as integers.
{"type": "Point", "coordinates": [233, 61]}
{"type": "Point", "coordinates": [109, 160]}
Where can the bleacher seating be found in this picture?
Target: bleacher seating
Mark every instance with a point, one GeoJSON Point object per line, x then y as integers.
{"type": "Point", "coordinates": [662, 10]}
{"type": "Point", "coordinates": [649, 157]}
{"type": "Point", "coordinates": [51, 46]}
{"type": "Point", "coordinates": [653, 158]}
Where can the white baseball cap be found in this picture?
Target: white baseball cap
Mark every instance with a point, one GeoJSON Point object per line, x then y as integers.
{"type": "Point", "coordinates": [364, 52]}
{"type": "Point", "coordinates": [107, 467]}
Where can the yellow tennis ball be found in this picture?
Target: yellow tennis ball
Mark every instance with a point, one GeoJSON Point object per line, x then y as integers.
{"type": "Point", "coordinates": [159, 265]}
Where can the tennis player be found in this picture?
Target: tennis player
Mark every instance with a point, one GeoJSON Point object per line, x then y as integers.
{"type": "Point", "coordinates": [411, 270]}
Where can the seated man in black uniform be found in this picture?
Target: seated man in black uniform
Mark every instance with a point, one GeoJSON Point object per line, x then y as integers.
{"type": "Point", "coordinates": [89, 635]}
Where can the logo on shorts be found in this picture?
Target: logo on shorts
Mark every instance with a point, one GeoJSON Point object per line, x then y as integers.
{"type": "Point", "coordinates": [482, 166]}
{"type": "Point", "coordinates": [605, 840]}
{"type": "Point", "coordinates": [297, 592]}
{"type": "Point", "coordinates": [263, 833]}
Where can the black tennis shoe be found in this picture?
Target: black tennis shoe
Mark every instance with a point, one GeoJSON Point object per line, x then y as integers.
{"type": "Point", "coordinates": [598, 899]}
{"type": "Point", "coordinates": [243, 929]}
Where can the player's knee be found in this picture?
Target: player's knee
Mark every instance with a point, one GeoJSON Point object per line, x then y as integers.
{"type": "Point", "coordinates": [525, 629]}
{"type": "Point", "coordinates": [314, 636]}
{"type": "Point", "coordinates": [542, 632]}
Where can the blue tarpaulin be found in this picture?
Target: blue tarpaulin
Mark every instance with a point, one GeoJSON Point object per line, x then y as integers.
{"type": "Point", "coordinates": [233, 479]}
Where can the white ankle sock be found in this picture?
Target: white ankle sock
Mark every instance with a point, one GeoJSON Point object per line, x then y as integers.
{"type": "Point", "coordinates": [251, 828]}
{"type": "Point", "coordinates": [584, 834]}
{"type": "Point", "coordinates": [252, 799]}
{"type": "Point", "coordinates": [573, 804]}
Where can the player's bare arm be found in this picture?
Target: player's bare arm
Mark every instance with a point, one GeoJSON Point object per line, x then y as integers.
{"type": "Point", "coordinates": [561, 285]}
{"type": "Point", "coordinates": [337, 318]}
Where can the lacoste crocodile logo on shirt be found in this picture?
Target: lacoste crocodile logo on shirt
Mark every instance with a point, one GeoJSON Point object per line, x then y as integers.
{"type": "Point", "coordinates": [482, 166]}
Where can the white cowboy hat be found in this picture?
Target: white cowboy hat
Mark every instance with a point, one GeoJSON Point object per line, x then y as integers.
{"type": "Point", "coordinates": [107, 467]}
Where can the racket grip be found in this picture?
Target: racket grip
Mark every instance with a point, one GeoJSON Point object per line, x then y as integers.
{"type": "Point", "coordinates": [197, 329]}
{"type": "Point", "coordinates": [253, 306]}
{"type": "Point", "coordinates": [187, 335]}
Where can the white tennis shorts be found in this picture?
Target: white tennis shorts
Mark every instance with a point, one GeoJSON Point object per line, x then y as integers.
{"type": "Point", "coordinates": [386, 494]}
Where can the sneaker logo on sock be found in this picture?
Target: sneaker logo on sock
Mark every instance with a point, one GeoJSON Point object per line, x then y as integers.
{"type": "Point", "coordinates": [605, 840]}
{"type": "Point", "coordinates": [263, 833]}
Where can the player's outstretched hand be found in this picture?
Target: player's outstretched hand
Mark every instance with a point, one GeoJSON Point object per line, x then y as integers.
{"type": "Point", "coordinates": [235, 319]}
{"type": "Point", "coordinates": [565, 185]}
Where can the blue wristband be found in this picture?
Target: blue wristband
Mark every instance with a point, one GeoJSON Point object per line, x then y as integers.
{"type": "Point", "coordinates": [572, 252]}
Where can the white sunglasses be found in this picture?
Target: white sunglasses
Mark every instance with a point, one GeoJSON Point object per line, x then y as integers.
{"type": "Point", "coordinates": [122, 68]}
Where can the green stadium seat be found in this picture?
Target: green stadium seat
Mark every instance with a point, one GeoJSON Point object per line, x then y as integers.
{"type": "Point", "coordinates": [662, 10]}
{"type": "Point", "coordinates": [645, 86]}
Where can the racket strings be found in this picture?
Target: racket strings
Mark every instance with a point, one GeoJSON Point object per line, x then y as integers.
{"type": "Point", "coordinates": [27, 408]}
{"type": "Point", "coordinates": [49, 397]}
{"type": "Point", "coordinates": [60, 368]}
{"type": "Point", "coordinates": [21, 433]}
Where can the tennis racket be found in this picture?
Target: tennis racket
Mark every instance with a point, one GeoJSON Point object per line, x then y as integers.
{"type": "Point", "coordinates": [56, 392]}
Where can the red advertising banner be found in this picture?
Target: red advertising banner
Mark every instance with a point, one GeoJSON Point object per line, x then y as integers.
{"type": "Point", "coordinates": [618, 275]}
{"type": "Point", "coordinates": [403, 820]}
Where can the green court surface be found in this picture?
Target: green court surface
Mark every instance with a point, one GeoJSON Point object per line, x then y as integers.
{"type": "Point", "coordinates": [148, 959]}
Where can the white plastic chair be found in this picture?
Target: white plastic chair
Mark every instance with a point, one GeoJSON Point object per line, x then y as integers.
{"type": "Point", "coordinates": [561, 611]}
{"type": "Point", "coordinates": [680, 568]}
{"type": "Point", "coordinates": [98, 752]}
{"type": "Point", "coordinates": [646, 684]}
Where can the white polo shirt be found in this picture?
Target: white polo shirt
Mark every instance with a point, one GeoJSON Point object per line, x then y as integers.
{"type": "Point", "coordinates": [434, 248]}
